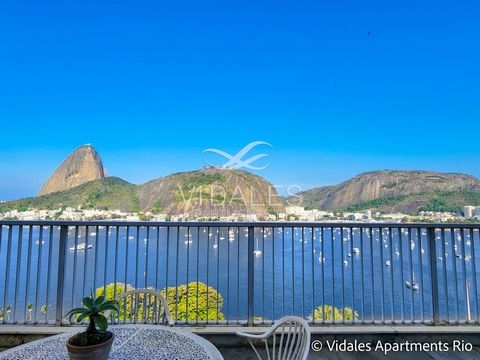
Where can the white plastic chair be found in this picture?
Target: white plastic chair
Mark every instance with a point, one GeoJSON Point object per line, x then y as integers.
{"type": "Point", "coordinates": [143, 299]}
{"type": "Point", "coordinates": [293, 334]}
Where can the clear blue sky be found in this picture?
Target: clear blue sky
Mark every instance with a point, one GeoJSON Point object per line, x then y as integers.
{"type": "Point", "coordinates": [337, 87]}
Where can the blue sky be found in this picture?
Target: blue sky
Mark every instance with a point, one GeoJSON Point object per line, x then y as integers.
{"type": "Point", "coordinates": [338, 87]}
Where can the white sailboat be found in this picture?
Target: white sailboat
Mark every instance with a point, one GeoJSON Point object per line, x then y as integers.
{"type": "Point", "coordinates": [257, 252]}
{"type": "Point", "coordinates": [81, 246]}
{"type": "Point", "coordinates": [415, 286]}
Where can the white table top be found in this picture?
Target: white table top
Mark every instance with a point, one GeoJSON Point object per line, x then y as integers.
{"type": "Point", "coordinates": [131, 342]}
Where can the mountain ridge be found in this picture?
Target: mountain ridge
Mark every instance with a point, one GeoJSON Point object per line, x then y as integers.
{"type": "Point", "coordinates": [373, 185]}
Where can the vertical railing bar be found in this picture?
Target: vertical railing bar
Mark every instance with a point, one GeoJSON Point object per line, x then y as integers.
{"type": "Point", "coordinates": [198, 257]}
{"type": "Point", "coordinates": [312, 232]}
{"type": "Point", "coordinates": [353, 274]}
{"type": "Point", "coordinates": [251, 275]}
{"type": "Point", "coordinates": [145, 276]}
{"type": "Point", "coordinates": [361, 229]}
{"type": "Point", "coordinates": [464, 270]}
{"type": "Point", "coordinates": [137, 245]}
{"type": "Point", "coordinates": [332, 241]}
{"type": "Point", "coordinates": [95, 259]}
{"type": "Point", "coordinates": [474, 259]}
{"type": "Point", "coordinates": [218, 271]}
{"type": "Point", "coordinates": [85, 257]}
{"type": "Point", "coordinates": [208, 268]}
{"type": "Point", "coordinates": [75, 248]}
{"type": "Point", "coordinates": [263, 274]}
{"type": "Point", "coordinates": [229, 229]}
{"type": "Point", "coordinates": [303, 271]}
{"type": "Point", "coordinates": [444, 267]}
{"type": "Point", "coordinates": [402, 287]}
{"type": "Point", "coordinates": [5, 288]}
{"type": "Point", "coordinates": [433, 275]}
{"type": "Point", "coordinates": [420, 240]}
{"type": "Point", "coordinates": [370, 235]}
{"type": "Point", "coordinates": [382, 257]}
{"type": "Point", "coordinates": [28, 306]}
{"type": "Point", "coordinates": [343, 274]}
{"type": "Point", "coordinates": [166, 264]}
{"type": "Point", "coordinates": [7, 272]}
{"type": "Point", "coordinates": [107, 229]}
{"type": "Point", "coordinates": [137, 253]}
{"type": "Point", "coordinates": [39, 258]}
{"type": "Point", "coordinates": [392, 288]}
{"type": "Point", "coordinates": [125, 289]}
{"type": "Point", "coordinates": [17, 275]}
{"type": "Point", "coordinates": [157, 255]}
{"type": "Point", "coordinates": [273, 274]}
{"type": "Point", "coordinates": [412, 300]}
{"type": "Point", "coordinates": [238, 274]}
{"type": "Point", "coordinates": [323, 272]}
{"type": "Point", "coordinates": [293, 270]}
{"type": "Point", "coordinates": [49, 271]}
{"type": "Point", "coordinates": [283, 271]}
{"type": "Point", "coordinates": [453, 241]}
{"type": "Point", "coordinates": [62, 255]}
{"type": "Point", "coordinates": [176, 273]}
{"type": "Point", "coordinates": [117, 230]}
{"type": "Point", "coordinates": [188, 262]}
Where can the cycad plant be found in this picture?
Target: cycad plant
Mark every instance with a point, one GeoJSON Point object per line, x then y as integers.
{"type": "Point", "coordinates": [93, 310]}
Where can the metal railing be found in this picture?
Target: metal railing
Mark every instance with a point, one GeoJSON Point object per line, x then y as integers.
{"type": "Point", "coordinates": [245, 273]}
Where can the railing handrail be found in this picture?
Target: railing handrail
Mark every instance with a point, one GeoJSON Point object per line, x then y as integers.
{"type": "Point", "coordinates": [336, 224]}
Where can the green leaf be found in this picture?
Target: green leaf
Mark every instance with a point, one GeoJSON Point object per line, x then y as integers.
{"type": "Point", "coordinates": [112, 302]}
{"type": "Point", "coordinates": [106, 307]}
{"type": "Point", "coordinates": [101, 321]}
{"type": "Point", "coordinates": [87, 301]}
{"type": "Point", "coordinates": [76, 311]}
{"type": "Point", "coordinates": [99, 300]}
{"type": "Point", "coordinates": [81, 317]}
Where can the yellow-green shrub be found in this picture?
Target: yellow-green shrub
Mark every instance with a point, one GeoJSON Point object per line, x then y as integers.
{"type": "Point", "coordinates": [204, 293]}
{"type": "Point", "coordinates": [328, 312]}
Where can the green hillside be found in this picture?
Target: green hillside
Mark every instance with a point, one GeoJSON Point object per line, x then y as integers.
{"type": "Point", "coordinates": [451, 201]}
{"type": "Point", "coordinates": [107, 193]}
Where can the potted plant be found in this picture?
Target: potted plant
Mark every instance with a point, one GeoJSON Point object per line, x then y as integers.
{"type": "Point", "coordinates": [95, 342]}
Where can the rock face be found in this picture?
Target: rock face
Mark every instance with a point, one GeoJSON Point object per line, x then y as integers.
{"type": "Point", "coordinates": [386, 183]}
{"type": "Point", "coordinates": [210, 192]}
{"type": "Point", "coordinates": [81, 166]}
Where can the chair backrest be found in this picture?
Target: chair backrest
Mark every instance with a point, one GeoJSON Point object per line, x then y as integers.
{"type": "Point", "coordinates": [144, 306]}
{"type": "Point", "coordinates": [289, 339]}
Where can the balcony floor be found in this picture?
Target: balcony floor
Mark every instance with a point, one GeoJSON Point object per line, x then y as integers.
{"type": "Point", "coordinates": [246, 353]}
{"type": "Point", "coordinates": [228, 343]}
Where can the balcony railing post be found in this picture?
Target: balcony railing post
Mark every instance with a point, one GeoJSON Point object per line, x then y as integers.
{"type": "Point", "coordinates": [62, 246]}
{"type": "Point", "coordinates": [433, 274]}
{"type": "Point", "coordinates": [250, 279]}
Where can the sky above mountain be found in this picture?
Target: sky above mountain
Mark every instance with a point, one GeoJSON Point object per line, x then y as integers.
{"type": "Point", "coordinates": [337, 88]}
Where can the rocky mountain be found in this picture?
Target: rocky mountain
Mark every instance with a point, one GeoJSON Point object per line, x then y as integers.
{"type": "Point", "coordinates": [81, 166]}
{"type": "Point", "coordinates": [388, 190]}
{"type": "Point", "coordinates": [209, 192]}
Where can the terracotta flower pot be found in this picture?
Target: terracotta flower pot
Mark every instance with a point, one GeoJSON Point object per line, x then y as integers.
{"type": "Point", "coordinates": [93, 352]}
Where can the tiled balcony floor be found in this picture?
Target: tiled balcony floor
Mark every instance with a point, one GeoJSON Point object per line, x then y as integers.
{"type": "Point", "coordinates": [246, 353]}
